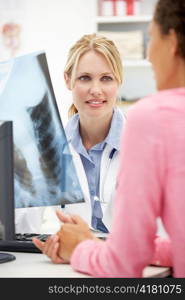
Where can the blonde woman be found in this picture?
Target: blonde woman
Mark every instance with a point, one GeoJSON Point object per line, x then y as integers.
{"type": "Point", "coordinates": [93, 74]}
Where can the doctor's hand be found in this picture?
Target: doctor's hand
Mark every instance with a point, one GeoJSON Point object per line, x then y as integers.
{"type": "Point", "coordinates": [51, 246]}
{"type": "Point", "coordinates": [71, 234]}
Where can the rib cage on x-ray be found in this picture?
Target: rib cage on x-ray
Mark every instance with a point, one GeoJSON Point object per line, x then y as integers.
{"type": "Point", "coordinates": [54, 162]}
{"type": "Point", "coordinates": [47, 142]}
{"type": "Point", "coordinates": [44, 172]}
{"type": "Point", "coordinates": [22, 173]}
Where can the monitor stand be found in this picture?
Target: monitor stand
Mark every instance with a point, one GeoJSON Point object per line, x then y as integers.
{"type": "Point", "coordinates": [5, 257]}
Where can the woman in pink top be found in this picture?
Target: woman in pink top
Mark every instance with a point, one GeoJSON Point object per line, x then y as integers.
{"type": "Point", "coordinates": [151, 181]}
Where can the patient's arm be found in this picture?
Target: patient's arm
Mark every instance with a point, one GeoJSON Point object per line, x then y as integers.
{"type": "Point", "coordinates": [54, 249]}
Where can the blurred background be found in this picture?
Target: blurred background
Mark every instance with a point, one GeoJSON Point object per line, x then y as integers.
{"type": "Point", "coordinates": [53, 26]}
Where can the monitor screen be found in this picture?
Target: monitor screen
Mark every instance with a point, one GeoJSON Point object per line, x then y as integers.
{"type": "Point", "coordinates": [44, 171]}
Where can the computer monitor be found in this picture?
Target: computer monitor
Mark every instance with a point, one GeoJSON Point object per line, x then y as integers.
{"type": "Point", "coordinates": [44, 172]}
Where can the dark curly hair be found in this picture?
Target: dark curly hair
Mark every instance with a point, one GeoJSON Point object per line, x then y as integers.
{"type": "Point", "coordinates": [170, 14]}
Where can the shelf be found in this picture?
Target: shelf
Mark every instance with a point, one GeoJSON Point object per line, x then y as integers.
{"type": "Point", "coordinates": [136, 63]}
{"type": "Point", "coordinates": [124, 19]}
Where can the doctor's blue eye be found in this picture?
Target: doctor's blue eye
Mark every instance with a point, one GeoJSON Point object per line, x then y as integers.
{"type": "Point", "coordinates": [106, 78]}
{"type": "Point", "coordinates": [84, 78]}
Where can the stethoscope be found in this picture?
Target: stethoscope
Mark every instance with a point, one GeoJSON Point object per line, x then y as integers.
{"type": "Point", "coordinates": [96, 198]}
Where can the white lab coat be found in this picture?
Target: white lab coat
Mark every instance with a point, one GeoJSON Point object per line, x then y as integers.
{"type": "Point", "coordinates": [108, 175]}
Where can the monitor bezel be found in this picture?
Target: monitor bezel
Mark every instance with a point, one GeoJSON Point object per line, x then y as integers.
{"type": "Point", "coordinates": [7, 211]}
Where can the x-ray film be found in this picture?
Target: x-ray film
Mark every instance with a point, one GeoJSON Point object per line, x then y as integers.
{"type": "Point", "coordinates": [44, 172]}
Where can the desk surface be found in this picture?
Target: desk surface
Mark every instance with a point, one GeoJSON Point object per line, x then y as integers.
{"type": "Point", "coordinates": [38, 265]}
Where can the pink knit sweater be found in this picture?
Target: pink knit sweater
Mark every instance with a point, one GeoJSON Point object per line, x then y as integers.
{"type": "Point", "coordinates": [151, 183]}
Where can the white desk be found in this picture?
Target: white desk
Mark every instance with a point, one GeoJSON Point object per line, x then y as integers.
{"type": "Point", "coordinates": [38, 265]}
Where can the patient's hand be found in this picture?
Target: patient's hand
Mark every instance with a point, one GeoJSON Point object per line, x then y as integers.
{"type": "Point", "coordinates": [71, 234]}
{"type": "Point", "coordinates": [51, 246]}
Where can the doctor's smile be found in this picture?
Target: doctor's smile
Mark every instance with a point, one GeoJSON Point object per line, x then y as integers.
{"type": "Point", "coordinates": [96, 103]}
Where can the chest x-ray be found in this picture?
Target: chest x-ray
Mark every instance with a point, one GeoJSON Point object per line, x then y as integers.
{"type": "Point", "coordinates": [44, 173]}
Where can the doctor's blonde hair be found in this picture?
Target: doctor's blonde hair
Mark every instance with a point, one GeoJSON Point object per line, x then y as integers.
{"type": "Point", "coordinates": [97, 43]}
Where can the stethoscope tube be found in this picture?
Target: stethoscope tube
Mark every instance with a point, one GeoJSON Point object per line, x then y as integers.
{"type": "Point", "coordinates": [112, 153]}
{"type": "Point", "coordinates": [102, 200]}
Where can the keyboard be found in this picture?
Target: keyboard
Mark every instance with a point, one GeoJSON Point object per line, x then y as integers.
{"type": "Point", "coordinates": [22, 243]}
{"type": "Point", "coordinates": [29, 236]}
